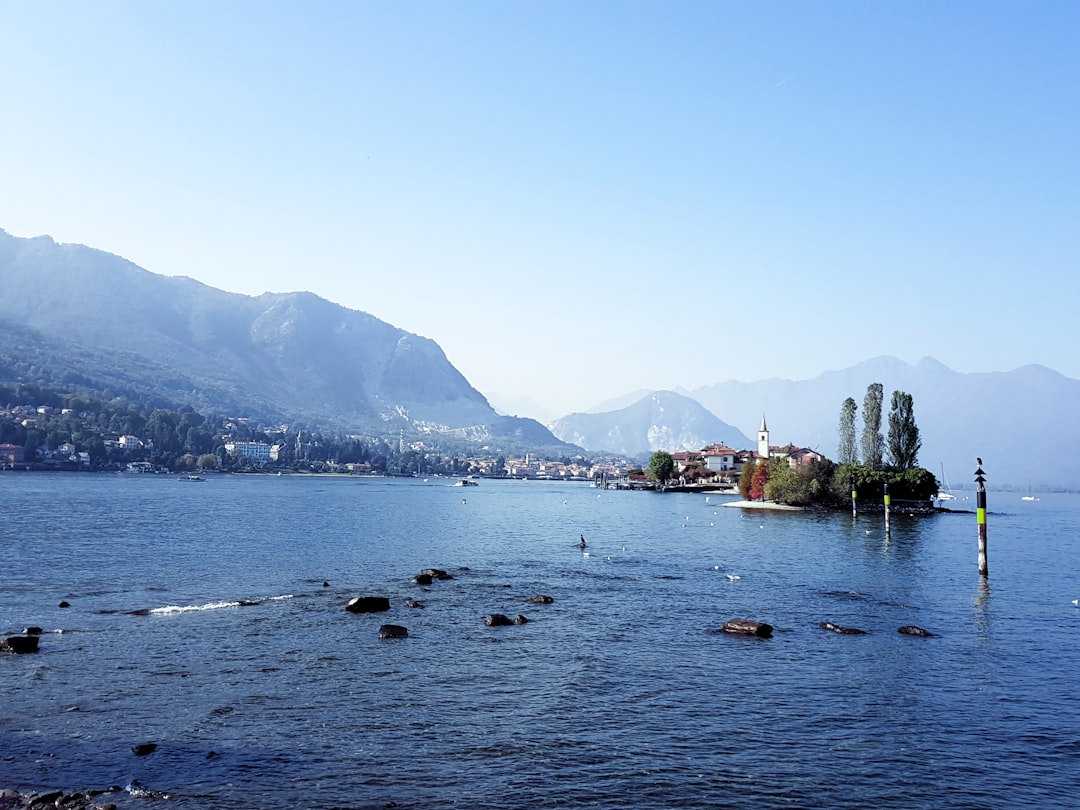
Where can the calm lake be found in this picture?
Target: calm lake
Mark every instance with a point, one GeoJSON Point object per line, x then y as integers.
{"type": "Point", "coordinates": [199, 621]}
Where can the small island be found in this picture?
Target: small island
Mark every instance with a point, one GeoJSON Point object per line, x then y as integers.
{"type": "Point", "coordinates": [792, 477]}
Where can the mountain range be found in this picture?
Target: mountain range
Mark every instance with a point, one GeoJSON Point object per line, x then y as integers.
{"type": "Point", "coordinates": [1022, 423]}
{"type": "Point", "coordinates": [90, 322]}
{"type": "Point", "coordinates": [87, 320]}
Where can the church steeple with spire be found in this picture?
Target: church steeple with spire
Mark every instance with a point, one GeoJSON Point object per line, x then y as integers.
{"type": "Point", "coordinates": [763, 439]}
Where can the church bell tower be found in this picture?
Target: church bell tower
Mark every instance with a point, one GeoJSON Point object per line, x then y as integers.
{"type": "Point", "coordinates": [763, 440]}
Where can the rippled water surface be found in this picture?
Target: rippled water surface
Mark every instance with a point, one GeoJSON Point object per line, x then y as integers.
{"type": "Point", "coordinates": [199, 621]}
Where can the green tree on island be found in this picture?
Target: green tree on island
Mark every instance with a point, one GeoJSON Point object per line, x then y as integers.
{"type": "Point", "coordinates": [872, 443]}
{"type": "Point", "coordinates": [785, 485]}
{"type": "Point", "coordinates": [904, 440]}
{"type": "Point", "coordinates": [661, 467]}
{"type": "Point", "coordinates": [848, 452]}
{"type": "Point", "coordinates": [906, 480]}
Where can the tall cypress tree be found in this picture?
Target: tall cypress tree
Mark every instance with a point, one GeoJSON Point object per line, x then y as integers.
{"type": "Point", "coordinates": [848, 452]}
{"type": "Point", "coordinates": [873, 445]}
{"type": "Point", "coordinates": [904, 440]}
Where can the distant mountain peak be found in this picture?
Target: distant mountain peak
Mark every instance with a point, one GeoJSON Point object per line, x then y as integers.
{"type": "Point", "coordinates": [658, 420]}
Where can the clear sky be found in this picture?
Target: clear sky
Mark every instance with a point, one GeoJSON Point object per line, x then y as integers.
{"type": "Point", "coordinates": [578, 199]}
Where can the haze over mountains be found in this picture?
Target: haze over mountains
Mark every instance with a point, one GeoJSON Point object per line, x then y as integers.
{"type": "Point", "coordinates": [662, 420]}
{"type": "Point", "coordinates": [1022, 423]}
{"type": "Point", "coordinates": [86, 319]}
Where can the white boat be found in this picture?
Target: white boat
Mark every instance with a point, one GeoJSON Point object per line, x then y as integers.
{"type": "Point", "coordinates": [465, 482]}
{"type": "Point", "coordinates": [947, 494]}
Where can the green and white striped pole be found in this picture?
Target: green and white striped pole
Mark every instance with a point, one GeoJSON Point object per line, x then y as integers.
{"type": "Point", "coordinates": [980, 513]}
{"type": "Point", "coordinates": [886, 510]}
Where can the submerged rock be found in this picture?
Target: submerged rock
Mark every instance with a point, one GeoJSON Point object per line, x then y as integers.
{"type": "Point", "coordinates": [436, 573]}
{"type": "Point", "coordinates": [912, 630]}
{"type": "Point", "coordinates": [497, 620]}
{"type": "Point", "coordinates": [540, 599]}
{"type": "Point", "coordinates": [747, 627]}
{"type": "Point", "coordinates": [844, 631]}
{"type": "Point", "coordinates": [393, 631]}
{"type": "Point", "coordinates": [368, 604]}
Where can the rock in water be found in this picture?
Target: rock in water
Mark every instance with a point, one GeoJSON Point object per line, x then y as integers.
{"type": "Point", "coordinates": [368, 604]}
{"type": "Point", "coordinates": [497, 620]}
{"type": "Point", "coordinates": [436, 573]}
{"type": "Point", "coordinates": [912, 630]}
{"type": "Point", "coordinates": [393, 631]}
{"type": "Point", "coordinates": [19, 644]}
{"type": "Point", "coordinates": [844, 631]}
{"type": "Point", "coordinates": [747, 627]}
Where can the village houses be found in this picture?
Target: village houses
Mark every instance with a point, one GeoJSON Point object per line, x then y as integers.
{"type": "Point", "coordinates": [727, 463]}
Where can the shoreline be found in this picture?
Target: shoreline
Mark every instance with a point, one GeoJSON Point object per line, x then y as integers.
{"type": "Point", "coordinates": [772, 505]}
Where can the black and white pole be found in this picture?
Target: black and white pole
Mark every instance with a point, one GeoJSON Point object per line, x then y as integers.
{"type": "Point", "coordinates": [886, 510]}
{"type": "Point", "coordinates": [980, 513]}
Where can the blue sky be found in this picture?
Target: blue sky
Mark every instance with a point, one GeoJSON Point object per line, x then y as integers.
{"type": "Point", "coordinates": [577, 200]}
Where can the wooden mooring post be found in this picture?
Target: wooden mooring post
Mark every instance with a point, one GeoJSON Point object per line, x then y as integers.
{"type": "Point", "coordinates": [980, 516]}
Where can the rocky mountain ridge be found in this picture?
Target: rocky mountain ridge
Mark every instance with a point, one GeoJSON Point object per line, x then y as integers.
{"type": "Point", "coordinates": [92, 319]}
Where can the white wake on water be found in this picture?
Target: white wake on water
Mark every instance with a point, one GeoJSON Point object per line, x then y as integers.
{"type": "Point", "coordinates": [173, 609]}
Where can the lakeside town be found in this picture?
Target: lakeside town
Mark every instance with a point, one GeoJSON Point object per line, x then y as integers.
{"type": "Point", "coordinates": [50, 442]}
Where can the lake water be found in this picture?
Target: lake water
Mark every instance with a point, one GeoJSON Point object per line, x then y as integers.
{"type": "Point", "coordinates": [615, 695]}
